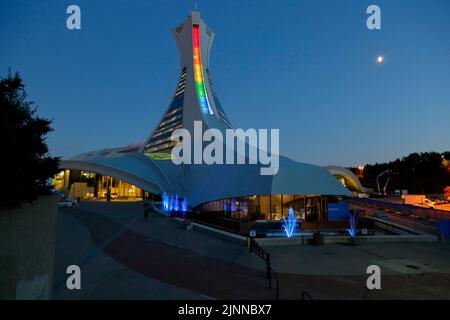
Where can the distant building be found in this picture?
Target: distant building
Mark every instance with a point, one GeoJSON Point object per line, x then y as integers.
{"type": "Point", "coordinates": [348, 179]}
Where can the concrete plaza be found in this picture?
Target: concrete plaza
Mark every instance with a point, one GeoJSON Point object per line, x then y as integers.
{"type": "Point", "coordinates": [124, 256]}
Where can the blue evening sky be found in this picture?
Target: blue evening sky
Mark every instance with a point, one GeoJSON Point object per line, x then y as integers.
{"type": "Point", "coordinates": [305, 67]}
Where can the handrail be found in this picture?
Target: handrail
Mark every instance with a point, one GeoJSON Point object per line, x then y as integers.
{"type": "Point", "coordinates": [260, 252]}
{"type": "Point", "coordinates": [276, 280]}
{"type": "Point", "coordinates": [306, 294]}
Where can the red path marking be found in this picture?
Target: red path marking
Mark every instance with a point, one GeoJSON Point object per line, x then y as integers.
{"type": "Point", "coordinates": [187, 269]}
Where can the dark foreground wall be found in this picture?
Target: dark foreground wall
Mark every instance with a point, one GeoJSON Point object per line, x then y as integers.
{"type": "Point", "coordinates": [27, 249]}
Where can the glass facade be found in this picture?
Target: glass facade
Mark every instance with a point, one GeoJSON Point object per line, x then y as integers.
{"type": "Point", "coordinates": [159, 145]}
{"type": "Point", "coordinates": [119, 189]}
{"type": "Point", "coordinates": [269, 207]}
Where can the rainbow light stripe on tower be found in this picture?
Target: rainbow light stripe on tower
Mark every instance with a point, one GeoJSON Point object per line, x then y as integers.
{"type": "Point", "coordinates": [198, 72]}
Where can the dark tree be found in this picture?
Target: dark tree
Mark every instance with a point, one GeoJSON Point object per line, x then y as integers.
{"type": "Point", "coordinates": [446, 155]}
{"type": "Point", "coordinates": [26, 164]}
{"type": "Point", "coordinates": [426, 172]}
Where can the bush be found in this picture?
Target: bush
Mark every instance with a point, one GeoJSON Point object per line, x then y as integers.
{"type": "Point", "coordinates": [27, 166]}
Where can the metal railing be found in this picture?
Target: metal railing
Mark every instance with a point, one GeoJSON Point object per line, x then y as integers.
{"type": "Point", "coordinates": [424, 213]}
{"type": "Point", "coordinates": [276, 281]}
{"type": "Point", "coordinates": [260, 252]}
{"type": "Point", "coordinates": [306, 295]}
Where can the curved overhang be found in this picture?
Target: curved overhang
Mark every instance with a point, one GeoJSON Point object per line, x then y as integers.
{"type": "Point", "coordinates": [301, 178]}
{"type": "Point", "coordinates": [113, 172]}
{"type": "Point", "coordinates": [216, 182]}
{"type": "Point", "coordinates": [134, 169]}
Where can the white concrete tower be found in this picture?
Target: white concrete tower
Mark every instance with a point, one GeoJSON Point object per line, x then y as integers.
{"type": "Point", "coordinates": [195, 98]}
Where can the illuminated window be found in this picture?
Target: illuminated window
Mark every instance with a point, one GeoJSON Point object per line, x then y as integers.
{"type": "Point", "coordinates": [172, 120]}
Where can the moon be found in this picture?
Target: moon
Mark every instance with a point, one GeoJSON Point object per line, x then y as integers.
{"type": "Point", "coordinates": [380, 59]}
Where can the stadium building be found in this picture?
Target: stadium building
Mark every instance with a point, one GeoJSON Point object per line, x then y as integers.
{"type": "Point", "coordinates": [238, 192]}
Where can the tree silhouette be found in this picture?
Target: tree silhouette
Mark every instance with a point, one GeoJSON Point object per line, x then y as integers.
{"type": "Point", "coordinates": [426, 172]}
{"type": "Point", "coordinates": [27, 166]}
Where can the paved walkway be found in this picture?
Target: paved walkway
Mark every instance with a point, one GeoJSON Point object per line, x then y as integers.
{"type": "Point", "coordinates": [187, 269]}
{"type": "Point", "coordinates": [118, 244]}
{"type": "Point", "coordinates": [124, 256]}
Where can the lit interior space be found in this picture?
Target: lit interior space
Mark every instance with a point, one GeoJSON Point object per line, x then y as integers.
{"type": "Point", "coordinates": [88, 185]}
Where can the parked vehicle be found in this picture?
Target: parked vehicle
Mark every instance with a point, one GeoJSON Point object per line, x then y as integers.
{"type": "Point", "coordinates": [419, 200]}
{"type": "Point", "coordinates": [66, 203]}
{"type": "Point", "coordinates": [362, 195]}
{"type": "Point", "coordinates": [438, 199]}
{"type": "Point", "coordinates": [413, 199]}
{"type": "Point", "coordinates": [427, 203]}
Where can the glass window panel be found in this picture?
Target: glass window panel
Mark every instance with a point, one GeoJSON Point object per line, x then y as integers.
{"type": "Point", "coordinates": [288, 202]}
{"type": "Point", "coordinates": [252, 207]}
{"type": "Point", "coordinates": [276, 207]}
{"type": "Point", "coordinates": [264, 202]}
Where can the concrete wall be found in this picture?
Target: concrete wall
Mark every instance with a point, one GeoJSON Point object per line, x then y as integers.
{"type": "Point", "coordinates": [27, 249]}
